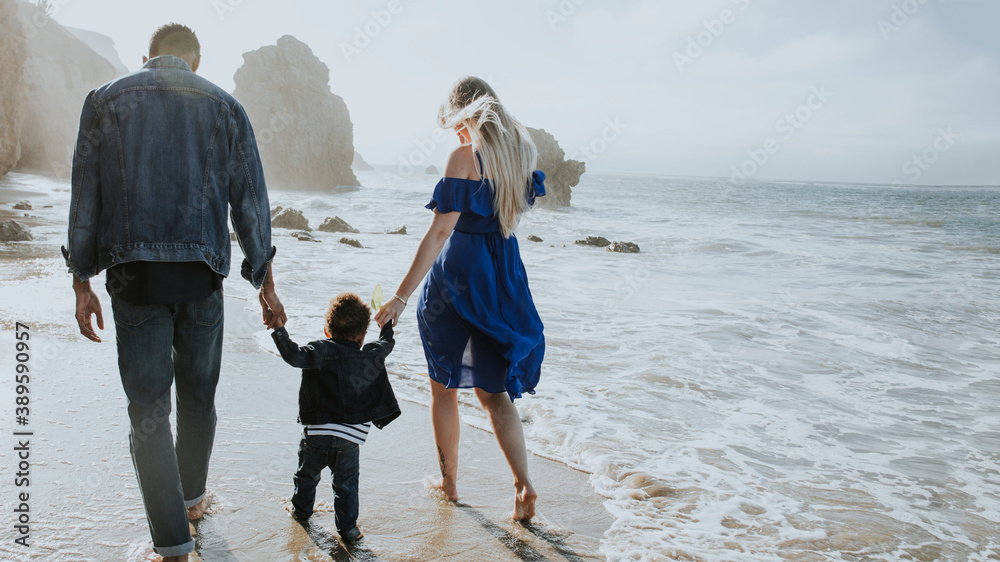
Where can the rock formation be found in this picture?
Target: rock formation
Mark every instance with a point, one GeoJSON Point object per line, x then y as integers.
{"type": "Point", "coordinates": [560, 174]}
{"type": "Point", "coordinates": [624, 247]}
{"type": "Point", "coordinates": [351, 242]}
{"type": "Point", "coordinates": [11, 231]}
{"type": "Point", "coordinates": [360, 165]}
{"type": "Point", "coordinates": [13, 98]}
{"type": "Point", "coordinates": [22, 205]}
{"type": "Point", "coordinates": [431, 170]}
{"type": "Point", "coordinates": [291, 219]}
{"type": "Point", "coordinates": [104, 46]}
{"type": "Point", "coordinates": [59, 71]}
{"type": "Point", "coordinates": [401, 230]}
{"type": "Point", "coordinates": [533, 238]}
{"type": "Point", "coordinates": [337, 224]}
{"type": "Point", "coordinates": [598, 241]}
{"type": "Point", "coordinates": [304, 130]}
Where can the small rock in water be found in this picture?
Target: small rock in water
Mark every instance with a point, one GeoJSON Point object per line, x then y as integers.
{"type": "Point", "coordinates": [598, 241]}
{"type": "Point", "coordinates": [11, 231]}
{"type": "Point", "coordinates": [22, 206]}
{"type": "Point", "coordinates": [624, 247]}
{"type": "Point", "coordinates": [337, 224]}
{"type": "Point", "coordinates": [397, 231]}
{"type": "Point", "coordinates": [304, 236]}
{"type": "Point", "coordinates": [534, 238]}
{"type": "Point", "coordinates": [290, 219]}
{"type": "Point", "coordinates": [351, 242]}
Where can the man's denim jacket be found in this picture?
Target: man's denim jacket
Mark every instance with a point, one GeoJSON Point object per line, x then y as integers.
{"type": "Point", "coordinates": [162, 155]}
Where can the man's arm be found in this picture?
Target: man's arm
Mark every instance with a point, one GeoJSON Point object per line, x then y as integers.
{"type": "Point", "coordinates": [80, 251]}
{"type": "Point", "coordinates": [303, 357]}
{"type": "Point", "coordinates": [251, 212]}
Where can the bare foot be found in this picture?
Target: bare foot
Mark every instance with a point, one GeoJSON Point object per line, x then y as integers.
{"type": "Point", "coordinates": [176, 558]}
{"type": "Point", "coordinates": [197, 511]}
{"type": "Point", "coordinates": [524, 504]}
{"type": "Point", "coordinates": [450, 488]}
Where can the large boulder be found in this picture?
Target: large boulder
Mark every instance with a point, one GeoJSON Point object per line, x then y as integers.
{"type": "Point", "coordinates": [337, 224]}
{"type": "Point", "coordinates": [292, 219]}
{"type": "Point", "coordinates": [11, 231]}
{"type": "Point", "coordinates": [560, 174]}
{"type": "Point", "coordinates": [59, 71]}
{"type": "Point", "coordinates": [13, 99]}
{"type": "Point", "coordinates": [303, 130]}
{"type": "Point", "coordinates": [360, 165]}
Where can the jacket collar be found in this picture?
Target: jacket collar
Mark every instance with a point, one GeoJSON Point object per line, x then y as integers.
{"type": "Point", "coordinates": [348, 343]}
{"type": "Point", "coordinates": [167, 61]}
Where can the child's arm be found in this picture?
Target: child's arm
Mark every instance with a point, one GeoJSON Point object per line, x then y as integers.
{"type": "Point", "coordinates": [385, 340]}
{"type": "Point", "coordinates": [303, 357]}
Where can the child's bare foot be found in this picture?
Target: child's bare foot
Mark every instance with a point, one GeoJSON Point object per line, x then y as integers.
{"type": "Point", "coordinates": [449, 487]}
{"type": "Point", "coordinates": [524, 503]}
{"type": "Point", "coordinates": [197, 511]}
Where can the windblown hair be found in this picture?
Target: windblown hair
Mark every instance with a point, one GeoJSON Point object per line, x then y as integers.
{"type": "Point", "coordinates": [348, 317]}
{"type": "Point", "coordinates": [174, 39]}
{"type": "Point", "coordinates": [509, 155]}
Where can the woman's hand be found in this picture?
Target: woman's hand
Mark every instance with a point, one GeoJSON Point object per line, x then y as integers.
{"type": "Point", "coordinates": [389, 312]}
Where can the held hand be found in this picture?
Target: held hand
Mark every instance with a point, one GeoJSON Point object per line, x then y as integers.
{"type": "Point", "coordinates": [87, 303]}
{"type": "Point", "coordinates": [273, 312]}
{"type": "Point", "coordinates": [389, 312]}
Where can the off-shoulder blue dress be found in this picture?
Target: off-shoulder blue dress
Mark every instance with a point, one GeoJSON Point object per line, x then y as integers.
{"type": "Point", "coordinates": [477, 320]}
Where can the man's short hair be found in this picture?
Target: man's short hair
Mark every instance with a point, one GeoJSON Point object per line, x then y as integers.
{"type": "Point", "coordinates": [347, 317]}
{"type": "Point", "coordinates": [174, 39]}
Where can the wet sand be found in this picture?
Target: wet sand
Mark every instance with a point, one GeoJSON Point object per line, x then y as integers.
{"type": "Point", "coordinates": [85, 503]}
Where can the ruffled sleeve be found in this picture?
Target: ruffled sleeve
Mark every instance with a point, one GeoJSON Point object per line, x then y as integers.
{"type": "Point", "coordinates": [537, 188]}
{"type": "Point", "coordinates": [464, 196]}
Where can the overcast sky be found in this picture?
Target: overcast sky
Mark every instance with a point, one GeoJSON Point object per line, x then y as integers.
{"type": "Point", "coordinates": [851, 90]}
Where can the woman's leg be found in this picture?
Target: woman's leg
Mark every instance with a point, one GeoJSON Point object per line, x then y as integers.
{"type": "Point", "coordinates": [510, 435]}
{"type": "Point", "coordinates": [444, 418]}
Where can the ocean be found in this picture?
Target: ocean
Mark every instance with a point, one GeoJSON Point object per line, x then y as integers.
{"type": "Point", "coordinates": [805, 371]}
{"type": "Point", "coordinates": [786, 371]}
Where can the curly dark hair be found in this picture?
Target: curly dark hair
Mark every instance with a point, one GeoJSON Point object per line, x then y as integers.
{"type": "Point", "coordinates": [348, 317]}
{"type": "Point", "coordinates": [174, 39]}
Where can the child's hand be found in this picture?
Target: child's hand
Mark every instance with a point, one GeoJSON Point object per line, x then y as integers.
{"type": "Point", "coordinates": [273, 322]}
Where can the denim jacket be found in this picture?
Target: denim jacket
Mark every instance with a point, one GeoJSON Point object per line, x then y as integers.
{"type": "Point", "coordinates": [162, 156]}
{"type": "Point", "coordinates": [342, 382]}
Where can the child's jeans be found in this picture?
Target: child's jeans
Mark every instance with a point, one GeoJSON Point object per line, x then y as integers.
{"type": "Point", "coordinates": [317, 452]}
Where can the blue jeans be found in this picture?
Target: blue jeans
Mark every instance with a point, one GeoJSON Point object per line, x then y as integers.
{"type": "Point", "coordinates": [317, 452]}
{"type": "Point", "coordinates": [159, 345]}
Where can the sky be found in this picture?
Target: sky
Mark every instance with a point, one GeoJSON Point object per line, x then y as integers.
{"type": "Point", "coordinates": [867, 91]}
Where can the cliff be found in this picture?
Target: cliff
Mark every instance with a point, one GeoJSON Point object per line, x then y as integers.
{"type": "Point", "coordinates": [102, 45]}
{"type": "Point", "coordinates": [560, 174]}
{"type": "Point", "coordinates": [360, 165]}
{"type": "Point", "coordinates": [303, 130]}
{"type": "Point", "coordinates": [12, 90]}
{"type": "Point", "coordinates": [59, 71]}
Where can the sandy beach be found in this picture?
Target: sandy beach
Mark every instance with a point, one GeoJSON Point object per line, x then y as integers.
{"type": "Point", "coordinates": [84, 498]}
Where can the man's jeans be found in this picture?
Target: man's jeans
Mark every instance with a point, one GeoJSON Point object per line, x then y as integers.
{"type": "Point", "coordinates": [317, 452]}
{"type": "Point", "coordinates": [157, 345]}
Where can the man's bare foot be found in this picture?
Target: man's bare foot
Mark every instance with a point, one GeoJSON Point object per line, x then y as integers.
{"type": "Point", "coordinates": [524, 503]}
{"type": "Point", "coordinates": [197, 511]}
{"type": "Point", "coordinates": [450, 488]}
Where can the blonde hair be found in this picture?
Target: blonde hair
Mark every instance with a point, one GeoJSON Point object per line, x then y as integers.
{"type": "Point", "coordinates": [509, 155]}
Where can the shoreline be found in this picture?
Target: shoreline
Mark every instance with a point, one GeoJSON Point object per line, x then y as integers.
{"type": "Point", "coordinates": [84, 472]}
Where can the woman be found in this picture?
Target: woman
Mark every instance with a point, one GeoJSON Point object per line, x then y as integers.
{"type": "Point", "coordinates": [477, 321]}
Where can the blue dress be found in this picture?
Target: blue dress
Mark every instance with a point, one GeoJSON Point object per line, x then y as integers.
{"type": "Point", "coordinates": [477, 320]}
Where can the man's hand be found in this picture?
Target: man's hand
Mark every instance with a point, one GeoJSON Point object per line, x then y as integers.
{"type": "Point", "coordinates": [87, 303]}
{"type": "Point", "coordinates": [273, 311]}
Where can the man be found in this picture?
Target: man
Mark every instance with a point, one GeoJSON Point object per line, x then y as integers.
{"type": "Point", "coordinates": [162, 156]}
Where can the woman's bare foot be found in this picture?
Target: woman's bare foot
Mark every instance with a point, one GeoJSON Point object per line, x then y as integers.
{"type": "Point", "coordinates": [197, 511]}
{"type": "Point", "coordinates": [524, 503]}
{"type": "Point", "coordinates": [450, 488]}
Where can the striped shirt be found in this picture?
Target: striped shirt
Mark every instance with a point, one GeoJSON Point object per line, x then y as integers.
{"type": "Point", "coordinates": [355, 433]}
